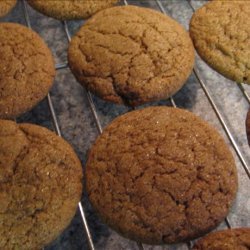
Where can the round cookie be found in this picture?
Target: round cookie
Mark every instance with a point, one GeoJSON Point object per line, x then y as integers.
{"type": "Point", "coordinates": [6, 6]}
{"type": "Point", "coordinates": [221, 35]}
{"type": "Point", "coordinates": [234, 239]}
{"type": "Point", "coordinates": [70, 9]}
{"type": "Point", "coordinates": [248, 126]}
{"type": "Point", "coordinates": [40, 185]}
{"type": "Point", "coordinates": [161, 175]}
{"type": "Point", "coordinates": [131, 55]}
{"type": "Point", "coordinates": [26, 69]}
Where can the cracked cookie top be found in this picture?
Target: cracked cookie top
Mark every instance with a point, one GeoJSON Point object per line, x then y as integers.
{"type": "Point", "coordinates": [238, 238]}
{"type": "Point", "coordinates": [26, 69]}
{"type": "Point", "coordinates": [6, 6]}
{"type": "Point", "coordinates": [221, 35]}
{"type": "Point", "coordinates": [70, 9]}
{"type": "Point", "coordinates": [161, 175]}
{"type": "Point", "coordinates": [131, 55]}
{"type": "Point", "coordinates": [40, 185]}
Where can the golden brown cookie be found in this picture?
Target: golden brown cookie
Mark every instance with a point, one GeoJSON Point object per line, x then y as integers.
{"type": "Point", "coordinates": [6, 6]}
{"type": "Point", "coordinates": [40, 185]}
{"type": "Point", "coordinates": [161, 175]}
{"type": "Point", "coordinates": [234, 239]}
{"type": "Point", "coordinates": [26, 69]}
{"type": "Point", "coordinates": [221, 35]}
{"type": "Point", "coordinates": [131, 55]}
{"type": "Point", "coordinates": [70, 9]}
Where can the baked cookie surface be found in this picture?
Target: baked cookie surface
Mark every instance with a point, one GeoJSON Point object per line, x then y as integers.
{"type": "Point", "coordinates": [40, 185]}
{"type": "Point", "coordinates": [234, 239]}
{"type": "Point", "coordinates": [161, 175]}
{"type": "Point", "coordinates": [70, 9]}
{"type": "Point", "coordinates": [26, 69]}
{"type": "Point", "coordinates": [6, 6]}
{"type": "Point", "coordinates": [221, 35]}
{"type": "Point", "coordinates": [131, 55]}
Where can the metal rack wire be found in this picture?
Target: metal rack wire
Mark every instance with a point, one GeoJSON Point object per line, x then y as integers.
{"type": "Point", "coordinates": [199, 78]}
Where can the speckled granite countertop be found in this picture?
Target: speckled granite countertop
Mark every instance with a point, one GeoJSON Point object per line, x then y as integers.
{"type": "Point", "coordinates": [78, 125]}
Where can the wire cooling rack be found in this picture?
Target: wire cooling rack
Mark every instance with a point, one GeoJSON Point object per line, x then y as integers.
{"type": "Point", "coordinates": [214, 96]}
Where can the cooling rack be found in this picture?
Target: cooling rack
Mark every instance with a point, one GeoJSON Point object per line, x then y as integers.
{"type": "Point", "coordinates": [219, 101]}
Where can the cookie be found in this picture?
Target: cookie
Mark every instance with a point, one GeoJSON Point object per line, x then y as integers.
{"type": "Point", "coordinates": [40, 185]}
{"type": "Point", "coordinates": [26, 69]}
{"type": "Point", "coordinates": [131, 55]}
{"type": "Point", "coordinates": [234, 239]}
{"type": "Point", "coordinates": [248, 126]}
{"type": "Point", "coordinates": [161, 175]}
{"type": "Point", "coordinates": [221, 35]}
{"type": "Point", "coordinates": [70, 9]}
{"type": "Point", "coordinates": [6, 6]}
